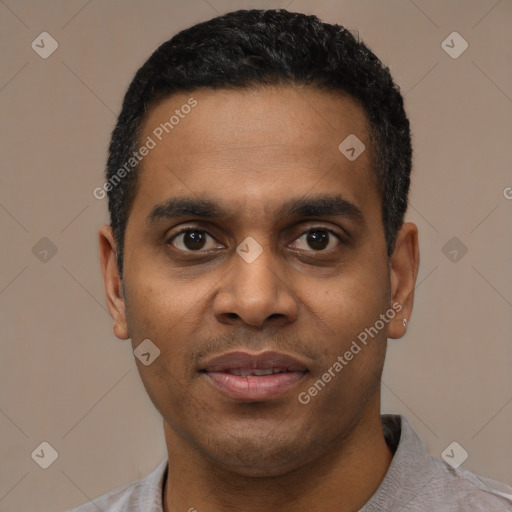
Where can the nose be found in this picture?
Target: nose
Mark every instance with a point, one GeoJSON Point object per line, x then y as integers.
{"type": "Point", "coordinates": [255, 293]}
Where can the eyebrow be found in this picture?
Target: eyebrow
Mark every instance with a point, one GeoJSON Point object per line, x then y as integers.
{"type": "Point", "coordinates": [319, 206]}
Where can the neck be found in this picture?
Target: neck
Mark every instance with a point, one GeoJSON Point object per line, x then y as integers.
{"type": "Point", "coordinates": [345, 478]}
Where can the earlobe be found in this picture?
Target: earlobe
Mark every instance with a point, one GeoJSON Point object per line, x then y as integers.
{"type": "Point", "coordinates": [112, 282]}
{"type": "Point", "coordinates": [404, 264]}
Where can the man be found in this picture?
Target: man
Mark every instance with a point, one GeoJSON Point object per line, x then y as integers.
{"type": "Point", "coordinates": [258, 259]}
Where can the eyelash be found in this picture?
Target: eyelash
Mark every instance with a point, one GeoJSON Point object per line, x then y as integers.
{"type": "Point", "coordinates": [312, 229]}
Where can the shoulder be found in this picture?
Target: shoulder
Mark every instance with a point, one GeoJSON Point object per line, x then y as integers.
{"type": "Point", "coordinates": [144, 494]}
{"type": "Point", "coordinates": [473, 492]}
{"type": "Point", "coordinates": [458, 489]}
{"type": "Point", "coordinates": [117, 500]}
{"type": "Point", "coordinates": [417, 481]}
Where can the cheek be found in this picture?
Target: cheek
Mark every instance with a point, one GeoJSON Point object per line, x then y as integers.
{"type": "Point", "coordinates": [352, 300]}
{"type": "Point", "coordinates": [157, 307]}
{"type": "Point", "coordinates": [354, 351]}
{"type": "Point", "coordinates": [166, 390]}
{"type": "Point", "coordinates": [150, 315]}
{"type": "Point", "coordinates": [157, 312]}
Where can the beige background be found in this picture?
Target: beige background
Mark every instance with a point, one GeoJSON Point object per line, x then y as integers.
{"type": "Point", "coordinates": [66, 380]}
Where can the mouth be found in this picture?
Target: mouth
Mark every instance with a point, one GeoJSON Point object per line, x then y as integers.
{"type": "Point", "coordinates": [254, 377]}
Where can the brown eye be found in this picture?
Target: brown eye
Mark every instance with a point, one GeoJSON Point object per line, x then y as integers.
{"type": "Point", "coordinates": [191, 240]}
{"type": "Point", "coordinates": [317, 240]}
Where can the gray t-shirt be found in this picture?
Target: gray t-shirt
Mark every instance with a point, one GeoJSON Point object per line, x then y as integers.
{"type": "Point", "coordinates": [414, 482]}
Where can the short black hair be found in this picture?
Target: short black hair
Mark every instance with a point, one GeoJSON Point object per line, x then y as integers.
{"type": "Point", "coordinates": [248, 48]}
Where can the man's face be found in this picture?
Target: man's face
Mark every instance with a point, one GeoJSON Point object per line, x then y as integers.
{"type": "Point", "coordinates": [321, 278]}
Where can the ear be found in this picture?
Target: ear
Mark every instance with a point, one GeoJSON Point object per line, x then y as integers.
{"type": "Point", "coordinates": [112, 282]}
{"type": "Point", "coordinates": [404, 264]}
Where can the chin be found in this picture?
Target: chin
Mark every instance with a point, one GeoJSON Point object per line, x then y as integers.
{"type": "Point", "coordinates": [254, 454]}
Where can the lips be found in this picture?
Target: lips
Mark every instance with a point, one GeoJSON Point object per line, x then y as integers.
{"type": "Point", "coordinates": [254, 377]}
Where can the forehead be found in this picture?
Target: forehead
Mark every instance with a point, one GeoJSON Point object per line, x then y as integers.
{"type": "Point", "coordinates": [254, 148]}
